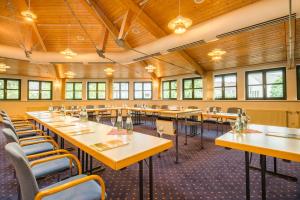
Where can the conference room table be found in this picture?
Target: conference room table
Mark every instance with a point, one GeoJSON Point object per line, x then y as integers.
{"type": "Point", "coordinates": [274, 141]}
{"type": "Point", "coordinates": [88, 136]}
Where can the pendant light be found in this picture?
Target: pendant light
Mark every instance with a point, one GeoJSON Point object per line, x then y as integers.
{"type": "Point", "coordinates": [28, 14]}
{"type": "Point", "coordinates": [68, 53]}
{"type": "Point", "coordinates": [180, 23]}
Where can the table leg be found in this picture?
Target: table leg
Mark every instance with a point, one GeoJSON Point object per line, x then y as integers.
{"type": "Point", "coordinates": [151, 178]}
{"type": "Point", "coordinates": [82, 160]}
{"type": "Point", "coordinates": [86, 162]}
{"type": "Point", "coordinates": [91, 165]}
{"type": "Point", "coordinates": [48, 132]}
{"type": "Point", "coordinates": [263, 176]}
{"type": "Point", "coordinates": [141, 184]}
{"type": "Point", "coordinates": [247, 167]}
{"type": "Point", "coordinates": [176, 132]}
{"type": "Point", "coordinates": [275, 164]}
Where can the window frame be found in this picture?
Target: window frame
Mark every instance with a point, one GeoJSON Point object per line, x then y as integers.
{"type": "Point", "coordinates": [120, 91]}
{"type": "Point", "coordinates": [97, 97]}
{"type": "Point", "coordinates": [169, 81]}
{"type": "Point", "coordinates": [193, 88]}
{"type": "Point", "coordinates": [298, 81]}
{"type": "Point", "coordinates": [264, 83]}
{"type": "Point", "coordinates": [40, 90]}
{"type": "Point", "coordinates": [5, 89]}
{"type": "Point", "coordinates": [73, 89]}
{"type": "Point", "coordinates": [223, 87]}
{"type": "Point", "coordinates": [143, 90]}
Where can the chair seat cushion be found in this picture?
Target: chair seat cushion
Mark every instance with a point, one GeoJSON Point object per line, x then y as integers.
{"type": "Point", "coordinates": [37, 148]}
{"type": "Point", "coordinates": [86, 191]}
{"type": "Point", "coordinates": [50, 167]}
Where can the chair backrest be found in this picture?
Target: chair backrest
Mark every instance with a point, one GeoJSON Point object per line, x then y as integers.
{"type": "Point", "coordinates": [27, 181]}
{"type": "Point", "coordinates": [192, 107]}
{"type": "Point", "coordinates": [155, 106]}
{"type": "Point", "coordinates": [218, 109]}
{"type": "Point", "coordinates": [89, 107]}
{"type": "Point", "coordinates": [101, 106]}
{"type": "Point", "coordinates": [234, 110]}
{"type": "Point", "coordinates": [8, 124]}
{"type": "Point", "coordinates": [164, 107]}
{"type": "Point", "coordinates": [10, 135]}
{"type": "Point", "coordinates": [166, 126]}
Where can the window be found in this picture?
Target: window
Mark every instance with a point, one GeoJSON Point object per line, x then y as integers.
{"type": "Point", "coordinates": [298, 81]}
{"type": "Point", "coordinates": [39, 90]}
{"type": "Point", "coordinates": [10, 89]}
{"type": "Point", "coordinates": [225, 86]}
{"type": "Point", "coordinates": [74, 90]}
{"type": "Point", "coordinates": [96, 90]}
{"type": "Point", "coordinates": [169, 89]}
{"type": "Point", "coordinates": [143, 90]}
{"type": "Point", "coordinates": [192, 88]}
{"type": "Point", "coordinates": [266, 84]}
{"type": "Point", "coordinates": [121, 90]}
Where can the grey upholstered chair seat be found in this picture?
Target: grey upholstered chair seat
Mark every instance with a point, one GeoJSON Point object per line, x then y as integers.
{"type": "Point", "coordinates": [50, 167]}
{"type": "Point", "coordinates": [86, 191]}
{"type": "Point", "coordinates": [26, 135]}
{"type": "Point", "coordinates": [37, 148]}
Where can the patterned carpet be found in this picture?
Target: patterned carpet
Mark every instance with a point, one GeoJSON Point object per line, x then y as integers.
{"type": "Point", "coordinates": [211, 174]}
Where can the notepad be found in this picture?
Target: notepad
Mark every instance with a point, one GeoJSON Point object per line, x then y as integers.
{"type": "Point", "coordinates": [60, 125]}
{"type": "Point", "coordinates": [111, 144]}
{"type": "Point", "coordinates": [117, 132]}
{"type": "Point", "coordinates": [285, 135]}
{"type": "Point", "coordinates": [81, 132]}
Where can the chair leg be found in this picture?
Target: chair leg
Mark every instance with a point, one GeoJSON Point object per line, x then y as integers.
{"type": "Point", "coordinates": [185, 135]}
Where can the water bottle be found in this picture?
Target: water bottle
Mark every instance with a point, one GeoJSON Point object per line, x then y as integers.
{"type": "Point", "coordinates": [83, 115]}
{"type": "Point", "coordinates": [239, 124]}
{"type": "Point", "coordinates": [244, 120]}
{"type": "Point", "coordinates": [62, 110]}
{"type": "Point", "coordinates": [119, 123]}
{"type": "Point", "coordinates": [50, 109]}
{"type": "Point", "coordinates": [129, 124]}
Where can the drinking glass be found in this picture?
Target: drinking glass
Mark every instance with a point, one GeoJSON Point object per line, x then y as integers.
{"type": "Point", "coordinates": [98, 118]}
{"type": "Point", "coordinates": [113, 121]}
{"type": "Point", "coordinates": [232, 125]}
{"type": "Point", "coordinates": [160, 131]}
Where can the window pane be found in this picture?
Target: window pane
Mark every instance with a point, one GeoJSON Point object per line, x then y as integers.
{"type": "Point", "coordinates": [188, 84]}
{"type": "Point", "coordinates": [92, 94]}
{"type": "Point", "coordinates": [173, 94]}
{"type": "Point", "coordinates": [78, 86]}
{"type": "Point", "coordinates": [1, 84]}
{"type": "Point", "coordinates": [230, 92]}
{"type": "Point", "coordinates": [218, 93]}
{"type": "Point", "coordinates": [188, 93]}
{"type": "Point", "coordinates": [255, 78]}
{"type": "Point", "coordinates": [255, 91]}
{"type": "Point", "coordinates": [69, 94]}
{"type": "Point", "coordinates": [274, 76]}
{"type": "Point", "coordinates": [34, 85]}
{"type": "Point", "coordinates": [12, 94]}
{"type": "Point", "coordinates": [101, 86]}
{"type": "Point", "coordinates": [124, 86]}
{"type": "Point", "coordinates": [116, 86]}
{"type": "Point", "coordinates": [116, 95]}
{"type": "Point", "coordinates": [166, 85]}
{"type": "Point", "coordinates": [174, 85]}
{"type": "Point", "coordinates": [1, 94]}
{"type": "Point", "coordinates": [230, 80]}
{"type": "Point", "coordinates": [138, 86]}
{"type": "Point", "coordinates": [69, 86]}
{"type": "Point", "coordinates": [198, 83]}
{"type": "Point", "coordinates": [12, 84]}
{"type": "Point", "coordinates": [275, 91]}
{"type": "Point", "coordinates": [218, 81]}
{"type": "Point", "coordinates": [46, 86]}
{"type": "Point", "coordinates": [33, 94]}
{"type": "Point", "coordinates": [147, 94]}
{"type": "Point", "coordinates": [124, 94]}
{"type": "Point", "coordinates": [92, 86]}
{"type": "Point", "coordinates": [78, 95]}
{"type": "Point", "coordinates": [166, 94]}
{"type": "Point", "coordinates": [138, 94]}
{"type": "Point", "coordinates": [147, 86]}
{"type": "Point", "coordinates": [101, 95]}
{"type": "Point", "coordinates": [198, 93]}
{"type": "Point", "coordinates": [46, 95]}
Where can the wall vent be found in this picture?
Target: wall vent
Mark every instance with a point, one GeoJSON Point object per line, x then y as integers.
{"type": "Point", "coordinates": [147, 56]}
{"type": "Point", "coordinates": [185, 46]}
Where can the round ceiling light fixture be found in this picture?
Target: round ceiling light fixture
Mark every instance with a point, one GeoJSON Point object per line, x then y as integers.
{"type": "Point", "coordinates": [198, 1]}
{"type": "Point", "coordinates": [109, 71]}
{"type": "Point", "coordinates": [28, 14]}
{"type": "Point", "coordinates": [3, 67]}
{"type": "Point", "coordinates": [179, 24]}
{"type": "Point", "coordinates": [216, 54]}
{"type": "Point", "coordinates": [150, 68]}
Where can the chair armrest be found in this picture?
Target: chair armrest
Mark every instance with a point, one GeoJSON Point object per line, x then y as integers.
{"type": "Point", "coordinates": [34, 138]}
{"type": "Point", "coordinates": [70, 184]}
{"type": "Point", "coordinates": [30, 131]}
{"type": "Point", "coordinates": [41, 141]}
{"type": "Point", "coordinates": [56, 157]}
{"type": "Point", "coordinates": [58, 151]}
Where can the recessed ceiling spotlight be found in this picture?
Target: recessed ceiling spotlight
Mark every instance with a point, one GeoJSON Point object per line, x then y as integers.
{"type": "Point", "coordinates": [198, 1]}
{"type": "Point", "coordinates": [70, 74]}
{"type": "Point", "coordinates": [135, 30]}
{"type": "Point", "coordinates": [109, 71]}
{"type": "Point", "coordinates": [3, 67]}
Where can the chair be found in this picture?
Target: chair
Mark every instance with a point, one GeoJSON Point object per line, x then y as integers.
{"type": "Point", "coordinates": [104, 114]}
{"type": "Point", "coordinates": [231, 110]}
{"type": "Point", "coordinates": [191, 120]}
{"type": "Point", "coordinates": [36, 145]}
{"type": "Point", "coordinates": [80, 187]}
{"type": "Point", "coordinates": [22, 132]}
{"type": "Point", "coordinates": [213, 120]}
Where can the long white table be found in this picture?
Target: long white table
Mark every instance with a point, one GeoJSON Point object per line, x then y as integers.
{"type": "Point", "coordinates": [273, 141]}
{"type": "Point", "coordinates": [140, 146]}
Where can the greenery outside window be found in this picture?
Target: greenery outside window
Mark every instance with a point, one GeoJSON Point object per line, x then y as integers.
{"type": "Point", "coordinates": [169, 89]}
{"type": "Point", "coordinates": [96, 90]}
{"type": "Point", "coordinates": [225, 86]}
{"type": "Point", "coordinates": [73, 91]}
{"type": "Point", "coordinates": [39, 90]}
{"type": "Point", "coordinates": [10, 89]}
{"type": "Point", "coordinates": [192, 88]}
{"type": "Point", "coordinates": [143, 90]}
{"type": "Point", "coordinates": [121, 90]}
{"type": "Point", "coordinates": [266, 84]}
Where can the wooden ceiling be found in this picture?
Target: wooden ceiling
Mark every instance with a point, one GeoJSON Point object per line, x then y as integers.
{"type": "Point", "coordinates": [57, 28]}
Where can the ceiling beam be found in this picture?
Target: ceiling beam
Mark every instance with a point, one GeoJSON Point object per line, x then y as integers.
{"type": "Point", "coordinates": [158, 32]}
{"type": "Point", "coordinates": [103, 40]}
{"type": "Point", "coordinates": [124, 25]}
